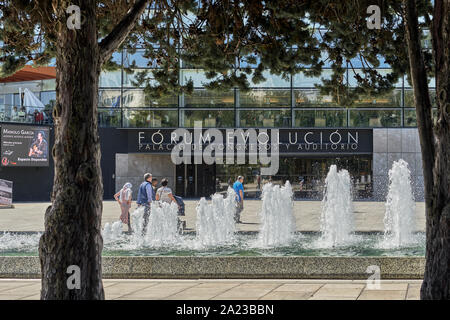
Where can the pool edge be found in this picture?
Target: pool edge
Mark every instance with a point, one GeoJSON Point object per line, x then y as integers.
{"type": "Point", "coordinates": [226, 267]}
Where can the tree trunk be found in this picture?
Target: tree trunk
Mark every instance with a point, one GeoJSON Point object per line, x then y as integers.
{"type": "Point", "coordinates": [73, 222]}
{"type": "Point", "coordinates": [435, 145]}
{"type": "Point", "coordinates": [436, 284]}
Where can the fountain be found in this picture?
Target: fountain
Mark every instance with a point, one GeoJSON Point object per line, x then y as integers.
{"type": "Point", "coordinates": [215, 222]}
{"type": "Point", "coordinates": [137, 225]}
{"type": "Point", "coordinates": [162, 229]}
{"type": "Point", "coordinates": [277, 218]}
{"type": "Point", "coordinates": [215, 230]}
{"type": "Point", "coordinates": [400, 207]}
{"type": "Point", "coordinates": [112, 232]}
{"type": "Point", "coordinates": [216, 250]}
{"type": "Point", "coordinates": [336, 222]}
{"type": "Point", "coordinates": [15, 242]}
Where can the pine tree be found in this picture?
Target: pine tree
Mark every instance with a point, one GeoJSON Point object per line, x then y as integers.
{"type": "Point", "coordinates": [234, 42]}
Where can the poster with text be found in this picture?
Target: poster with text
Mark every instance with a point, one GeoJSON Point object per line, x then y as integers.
{"type": "Point", "coordinates": [24, 146]}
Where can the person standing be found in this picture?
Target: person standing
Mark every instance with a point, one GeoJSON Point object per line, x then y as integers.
{"type": "Point", "coordinates": [123, 197]}
{"type": "Point", "coordinates": [239, 189]}
{"type": "Point", "coordinates": [14, 114]}
{"type": "Point", "coordinates": [36, 116]}
{"type": "Point", "coordinates": [145, 197]}
{"type": "Point", "coordinates": [164, 193]}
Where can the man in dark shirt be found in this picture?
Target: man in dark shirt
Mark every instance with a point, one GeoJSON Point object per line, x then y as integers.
{"type": "Point", "coordinates": [145, 198]}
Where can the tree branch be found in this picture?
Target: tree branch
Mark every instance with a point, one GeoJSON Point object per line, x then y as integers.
{"type": "Point", "coordinates": [113, 40]}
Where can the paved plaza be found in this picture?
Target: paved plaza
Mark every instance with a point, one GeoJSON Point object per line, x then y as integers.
{"type": "Point", "coordinates": [368, 215]}
{"type": "Point", "coordinates": [13, 289]}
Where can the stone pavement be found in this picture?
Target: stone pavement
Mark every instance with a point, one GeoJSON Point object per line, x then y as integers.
{"type": "Point", "coordinates": [368, 215]}
{"type": "Point", "coordinates": [12, 289]}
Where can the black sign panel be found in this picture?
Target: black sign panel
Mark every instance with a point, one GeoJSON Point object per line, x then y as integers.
{"type": "Point", "coordinates": [288, 141]}
{"type": "Point", "coordinates": [24, 146]}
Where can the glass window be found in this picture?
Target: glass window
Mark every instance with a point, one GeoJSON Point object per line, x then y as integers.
{"type": "Point", "coordinates": [138, 99]}
{"type": "Point", "coordinates": [389, 100]}
{"type": "Point", "coordinates": [138, 58]}
{"type": "Point", "coordinates": [8, 99]}
{"type": "Point", "coordinates": [109, 98]}
{"type": "Point", "coordinates": [410, 118]}
{"type": "Point", "coordinates": [409, 98]}
{"type": "Point", "coordinates": [265, 98]}
{"type": "Point", "coordinates": [300, 80]}
{"type": "Point", "coordinates": [209, 118]}
{"type": "Point", "coordinates": [117, 57]}
{"type": "Point", "coordinates": [375, 118]}
{"type": "Point", "coordinates": [208, 98]}
{"type": "Point", "coordinates": [109, 117]}
{"type": "Point", "coordinates": [48, 85]}
{"type": "Point", "coordinates": [110, 78]}
{"type": "Point", "coordinates": [272, 81]}
{"type": "Point", "coordinates": [264, 118]}
{"type": "Point", "coordinates": [130, 78]}
{"type": "Point", "coordinates": [48, 98]}
{"type": "Point", "coordinates": [17, 100]}
{"type": "Point", "coordinates": [320, 118]}
{"type": "Point", "coordinates": [150, 118]}
{"type": "Point", "coordinates": [198, 77]}
{"type": "Point", "coordinates": [312, 99]}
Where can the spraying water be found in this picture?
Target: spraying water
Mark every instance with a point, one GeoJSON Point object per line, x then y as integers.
{"type": "Point", "coordinates": [215, 222]}
{"type": "Point", "coordinates": [162, 227]}
{"type": "Point", "coordinates": [400, 207]}
{"type": "Point", "coordinates": [112, 232]}
{"type": "Point", "coordinates": [137, 225]}
{"type": "Point", "coordinates": [277, 217]}
{"type": "Point", "coordinates": [19, 242]}
{"type": "Point", "coordinates": [337, 222]}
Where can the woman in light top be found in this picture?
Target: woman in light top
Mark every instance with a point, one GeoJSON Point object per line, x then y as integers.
{"type": "Point", "coordinates": [164, 193]}
{"type": "Point", "coordinates": [124, 199]}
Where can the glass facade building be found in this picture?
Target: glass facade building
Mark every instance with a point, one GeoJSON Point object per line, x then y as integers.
{"type": "Point", "coordinates": [274, 103]}
{"type": "Point", "coordinates": [292, 103]}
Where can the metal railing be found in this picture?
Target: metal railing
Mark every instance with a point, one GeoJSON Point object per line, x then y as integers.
{"type": "Point", "coordinates": [25, 114]}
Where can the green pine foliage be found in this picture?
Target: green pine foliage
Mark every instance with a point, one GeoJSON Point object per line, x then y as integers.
{"type": "Point", "coordinates": [234, 42]}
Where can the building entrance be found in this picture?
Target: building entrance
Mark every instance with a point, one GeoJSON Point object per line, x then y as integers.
{"type": "Point", "coordinates": [195, 180]}
{"type": "Point", "coordinates": [306, 175]}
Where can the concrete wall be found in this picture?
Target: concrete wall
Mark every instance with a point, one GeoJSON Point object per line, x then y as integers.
{"type": "Point", "coordinates": [390, 145]}
{"type": "Point", "coordinates": [132, 167]}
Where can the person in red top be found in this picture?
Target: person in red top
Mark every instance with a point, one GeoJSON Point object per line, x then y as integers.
{"type": "Point", "coordinates": [41, 117]}
{"type": "Point", "coordinates": [36, 116]}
